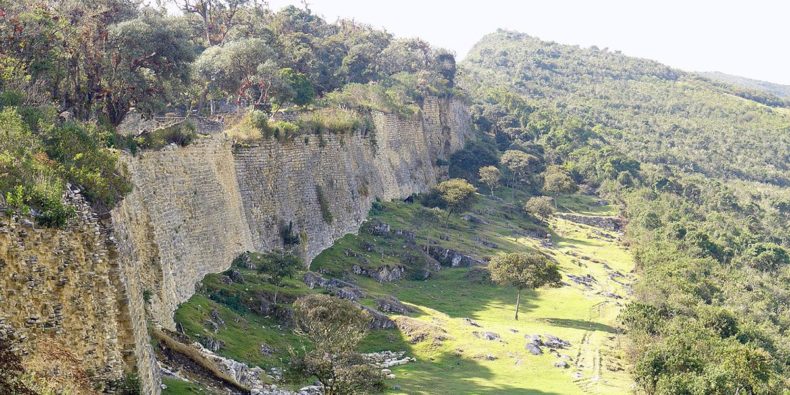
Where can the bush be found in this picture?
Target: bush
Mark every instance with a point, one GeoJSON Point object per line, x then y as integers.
{"type": "Point", "coordinates": [539, 206]}
{"type": "Point", "coordinates": [335, 120]}
{"type": "Point", "coordinates": [323, 203]}
{"type": "Point", "coordinates": [181, 134]}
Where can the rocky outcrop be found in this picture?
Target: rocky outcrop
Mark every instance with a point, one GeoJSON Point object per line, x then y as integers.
{"type": "Point", "coordinates": [451, 258]}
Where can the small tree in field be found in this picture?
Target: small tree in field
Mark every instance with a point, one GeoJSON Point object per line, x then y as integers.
{"type": "Point", "coordinates": [457, 193]}
{"type": "Point", "coordinates": [523, 271]}
{"type": "Point", "coordinates": [335, 326]}
{"type": "Point", "coordinates": [539, 206]}
{"type": "Point", "coordinates": [556, 181]}
{"type": "Point", "coordinates": [490, 176]}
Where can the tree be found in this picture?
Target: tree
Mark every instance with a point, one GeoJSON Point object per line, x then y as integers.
{"type": "Point", "coordinates": [539, 206]}
{"type": "Point", "coordinates": [523, 271]}
{"type": "Point", "coordinates": [148, 60]}
{"type": "Point", "coordinates": [217, 16]}
{"type": "Point", "coordinates": [490, 176]}
{"type": "Point", "coordinates": [335, 326]}
{"type": "Point", "coordinates": [296, 88]}
{"type": "Point", "coordinates": [519, 164]}
{"type": "Point", "coordinates": [245, 68]}
{"type": "Point", "coordinates": [556, 181]}
{"type": "Point", "coordinates": [457, 193]}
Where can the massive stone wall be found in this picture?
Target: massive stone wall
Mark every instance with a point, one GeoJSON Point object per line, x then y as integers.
{"type": "Point", "coordinates": [196, 208]}
{"type": "Point", "coordinates": [58, 290]}
{"type": "Point", "coordinates": [280, 182]}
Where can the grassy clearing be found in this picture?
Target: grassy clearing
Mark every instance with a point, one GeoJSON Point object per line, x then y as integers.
{"type": "Point", "coordinates": [451, 359]}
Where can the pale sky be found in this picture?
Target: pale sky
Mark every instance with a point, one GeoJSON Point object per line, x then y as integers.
{"type": "Point", "coordinates": [746, 38]}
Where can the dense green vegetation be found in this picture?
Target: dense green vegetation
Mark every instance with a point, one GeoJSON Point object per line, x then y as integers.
{"type": "Point", "coordinates": [656, 114]}
{"type": "Point", "coordinates": [70, 71]}
{"type": "Point", "coordinates": [702, 173]}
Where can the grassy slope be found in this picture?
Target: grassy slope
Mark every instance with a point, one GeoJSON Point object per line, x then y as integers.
{"type": "Point", "coordinates": [459, 364]}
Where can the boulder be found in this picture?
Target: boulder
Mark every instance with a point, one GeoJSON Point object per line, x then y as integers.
{"type": "Point", "coordinates": [211, 343]}
{"type": "Point", "coordinates": [471, 322]}
{"type": "Point", "coordinates": [391, 304]}
{"type": "Point", "coordinates": [555, 342]}
{"type": "Point", "coordinates": [561, 364]}
{"type": "Point", "coordinates": [266, 350]}
{"type": "Point", "coordinates": [378, 320]}
{"type": "Point", "coordinates": [451, 258]}
{"type": "Point", "coordinates": [472, 219]}
{"type": "Point", "coordinates": [236, 276]}
{"type": "Point", "coordinates": [313, 280]}
{"type": "Point", "coordinates": [534, 349]}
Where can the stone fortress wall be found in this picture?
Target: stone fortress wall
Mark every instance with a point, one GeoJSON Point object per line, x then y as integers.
{"type": "Point", "coordinates": [204, 204]}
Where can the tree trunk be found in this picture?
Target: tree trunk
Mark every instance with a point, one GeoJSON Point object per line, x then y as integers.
{"type": "Point", "coordinates": [518, 301]}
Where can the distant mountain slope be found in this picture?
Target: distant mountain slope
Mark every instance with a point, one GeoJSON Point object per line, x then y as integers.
{"type": "Point", "coordinates": [648, 110]}
{"type": "Point", "coordinates": [779, 90]}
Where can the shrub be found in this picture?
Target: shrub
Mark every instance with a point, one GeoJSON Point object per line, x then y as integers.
{"type": "Point", "coordinates": [334, 120]}
{"type": "Point", "coordinates": [323, 203]}
{"type": "Point", "coordinates": [539, 206]}
{"type": "Point", "coordinates": [287, 234]}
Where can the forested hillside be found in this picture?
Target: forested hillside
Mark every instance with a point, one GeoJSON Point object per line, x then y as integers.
{"type": "Point", "coordinates": [659, 114]}
{"type": "Point", "coordinates": [702, 174]}
{"type": "Point", "coordinates": [779, 90]}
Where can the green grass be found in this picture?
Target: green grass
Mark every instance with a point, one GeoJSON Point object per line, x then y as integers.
{"type": "Point", "coordinates": [459, 363]}
{"type": "Point", "coordinates": [180, 387]}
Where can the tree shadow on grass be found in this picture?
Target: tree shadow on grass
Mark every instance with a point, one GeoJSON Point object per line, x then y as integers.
{"type": "Point", "coordinates": [451, 293]}
{"type": "Point", "coordinates": [581, 324]}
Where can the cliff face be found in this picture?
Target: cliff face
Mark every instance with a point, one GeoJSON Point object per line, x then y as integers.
{"type": "Point", "coordinates": [196, 208]}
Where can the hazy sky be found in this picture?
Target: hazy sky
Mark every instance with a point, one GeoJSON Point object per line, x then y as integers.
{"type": "Point", "coordinates": [748, 38]}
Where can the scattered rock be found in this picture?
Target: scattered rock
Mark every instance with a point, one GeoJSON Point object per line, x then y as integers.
{"type": "Point", "coordinates": [491, 357]}
{"type": "Point", "coordinates": [236, 276]}
{"type": "Point", "coordinates": [561, 364]}
{"type": "Point", "coordinates": [266, 350]}
{"type": "Point", "coordinates": [534, 349]}
{"type": "Point", "coordinates": [475, 220]}
{"type": "Point", "coordinates": [313, 280]}
{"type": "Point", "coordinates": [377, 228]}
{"type": "Point", "coordinates": [586, 280]}
{"type": "Point", "coordinates": [486, 335]}
{"type": "Point", "coordinates": [608, 223]}
{"type": "Point", "coordinates": [555, 342]}
{"type": "Point", "coordinates": [391, 304]}
{"type": "Point", "coordinates": [211, 343]}
{"type": "Point", "coordinates": [451, 258]}
{"type": "Point", "coordinates": [378, 320]}
{"type": "Point", "coordinates": [471, 322]}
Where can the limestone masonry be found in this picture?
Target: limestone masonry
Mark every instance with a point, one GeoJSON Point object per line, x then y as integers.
{"type": "Point", "coordinates": [193, 210]}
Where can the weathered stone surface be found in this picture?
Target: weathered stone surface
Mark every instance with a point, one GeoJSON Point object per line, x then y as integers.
{"type": "Point", "coordinates": [534, 349]}
{"type": "Point", "coordinates": [391, 304]}
{"type": "Point", "coordinates": [61, 292]}
{"type": "Point", "coordinates": [451, 258]}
